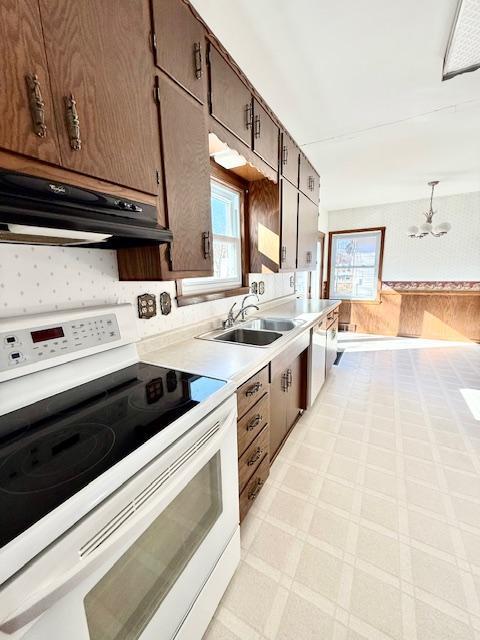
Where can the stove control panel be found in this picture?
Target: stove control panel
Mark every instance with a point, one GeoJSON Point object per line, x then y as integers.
{"type": "Point", "coordinates": [36, 344]}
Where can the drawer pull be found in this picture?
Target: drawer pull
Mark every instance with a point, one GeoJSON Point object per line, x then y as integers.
{"type": "Point", "coordinates": [256, 456]}
{"type": "Point", "coordinates": [253, 493]}
{"type": "Point", "coordinates": [253, 389]}
{"type": "Point", "coordinates": [254, 422]}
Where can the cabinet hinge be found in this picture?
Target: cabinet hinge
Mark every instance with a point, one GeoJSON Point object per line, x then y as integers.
{"type": "Point", "coordinates": [153, 37]}
{"type": "Point", "coordinates": [169, 256]}
{"type": "Point", "coordinates": [156, 94]}
{"type": "Point", "coordinates": [157, 176]}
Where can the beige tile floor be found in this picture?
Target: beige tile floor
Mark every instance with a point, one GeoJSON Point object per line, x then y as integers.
{"type": "Point", "coordinates": [369, 525]}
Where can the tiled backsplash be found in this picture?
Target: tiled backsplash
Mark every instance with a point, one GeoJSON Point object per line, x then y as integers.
{"type": "Point", "coordinates": [38, 279]}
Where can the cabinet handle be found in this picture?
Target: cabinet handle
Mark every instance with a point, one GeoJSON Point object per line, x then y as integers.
{"type": "Point", "coordinates": [257, 127]}
{"type": "Point", "coordinates": [197, 59]}
{"type": "Point", "coordinates": [285, 155]}
{"type": "Point", "coordinates": [254, 422]}
{"type": "Point", "coordinates": [284, 382]}
{"type": "Point", "coordinates": [253, 389]}
{"type": "Point", "coordinates": [73, 122]}
{"type": "Point", "coordinates": [258, 453]}
{"type": "Point", "coordinates": [37, 105]}
{"type": "Point", "coordinates": [206, 244]}
{"type": "Point", "coordinates": [253, 493]}
{"type": "Point", "coordinates": [248, 116]}
{"type": "Point", "coordinates": [311, 182]}
{"type": "Point", "coordinates": [289, 377]}
{"type": "Point", "coordinates": [309, 257]}
{"type": "Point", "coordinates": [284, 253]}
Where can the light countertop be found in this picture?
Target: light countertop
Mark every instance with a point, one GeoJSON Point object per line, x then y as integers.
{"type": "Point", "coordinates": [236, 362]}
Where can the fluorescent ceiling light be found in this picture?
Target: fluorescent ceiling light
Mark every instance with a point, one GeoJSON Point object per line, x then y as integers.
{"type": "Point", "coordinates": [463, 49]}
{"type": "Point", "coordinates": [229, 159]}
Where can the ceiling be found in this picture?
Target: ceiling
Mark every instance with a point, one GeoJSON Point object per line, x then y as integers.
{"type": "Point", "coordinates": [361, 91]}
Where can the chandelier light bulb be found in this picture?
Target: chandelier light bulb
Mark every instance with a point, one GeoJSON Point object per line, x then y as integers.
{"type": "Point", "coordinates": [426, 227]}
{"type": "Point", "coordinates": [444, 227]}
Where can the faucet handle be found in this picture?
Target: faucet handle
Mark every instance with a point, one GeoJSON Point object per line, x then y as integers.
{"type": "Point", "coordinates": [229, 322]}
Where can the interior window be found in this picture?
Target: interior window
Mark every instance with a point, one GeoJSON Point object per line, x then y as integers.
{"type": "Point", "coordinates": [354, 265]}
{"type": "Point", "coordinates": [227, 244]}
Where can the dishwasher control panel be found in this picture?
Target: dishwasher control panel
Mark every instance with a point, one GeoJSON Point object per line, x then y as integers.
{"type": "Point", "coordinates": [35, 344]}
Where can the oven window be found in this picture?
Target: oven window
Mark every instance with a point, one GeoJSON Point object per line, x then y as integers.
{"type": "Point", "coordinates": [121, 605]}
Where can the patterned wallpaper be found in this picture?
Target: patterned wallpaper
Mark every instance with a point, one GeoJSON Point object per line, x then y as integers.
{"type": "Point", "coordinates": [38, 279]}
{"type": "Point", "coordinates": [455, 256]}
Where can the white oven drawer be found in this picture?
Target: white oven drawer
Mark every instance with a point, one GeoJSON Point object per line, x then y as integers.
{"type": "Point", "coordinates": [137, 563]}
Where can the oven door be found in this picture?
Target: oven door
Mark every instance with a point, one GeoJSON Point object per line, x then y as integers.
{"type": "Point", "coordinates": [134, 567]}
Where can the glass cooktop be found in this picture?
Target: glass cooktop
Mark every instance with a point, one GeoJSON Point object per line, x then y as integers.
{"type": "Point", "coordinates": [55, 447]}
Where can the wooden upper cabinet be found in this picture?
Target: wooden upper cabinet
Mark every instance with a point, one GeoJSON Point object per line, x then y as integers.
{"type": "Point", "coordinates": [187, 178]}
{"type": "Point", "coordinates": [230, 98]}
{"type": "Point", "coordinates": [289, 155]}
{"type": "Point", "coordinates": [265, 135]}
{"type": "Point", "coordinates": [102, 83]}
{"type": "Point", "coordinates": [27, 120]}
{"type": "Point", "coordinates": [307, 233]}
{"type": "Point", "coordinates": [309, 179]}
{"type": "Point", "coordinates": [289, 209]}
{"type": "Point", "coordinates": [179, 45]}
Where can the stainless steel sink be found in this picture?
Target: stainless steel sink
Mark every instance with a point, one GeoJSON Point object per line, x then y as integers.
{"type": "Point", "coordinates": [272, 324]}
{"type": "Point", "coordinates": [249, 336]}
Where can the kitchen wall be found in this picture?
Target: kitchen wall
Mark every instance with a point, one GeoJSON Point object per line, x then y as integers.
{"type": "Point", "coordinates": [38, 279]}
{"type": "Point", "coordinates": [455, 256]}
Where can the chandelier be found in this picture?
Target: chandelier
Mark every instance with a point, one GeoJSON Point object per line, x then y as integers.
{"type": "Point", "coordinates": [427, 227]}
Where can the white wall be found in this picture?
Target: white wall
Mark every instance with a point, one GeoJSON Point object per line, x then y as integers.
{"type": "Point", "coordinates": [455, 256]}
{"type": "Point", "coordinates": [38, 279]}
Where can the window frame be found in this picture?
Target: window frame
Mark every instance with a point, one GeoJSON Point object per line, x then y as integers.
{"type": "Point", "coordinates": [331, 234]}
{"type": "Point", "coordinates": [234, 182]}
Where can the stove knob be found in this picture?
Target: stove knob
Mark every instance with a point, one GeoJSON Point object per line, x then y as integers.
{"type": "Point", "coordinates": [136, 208]}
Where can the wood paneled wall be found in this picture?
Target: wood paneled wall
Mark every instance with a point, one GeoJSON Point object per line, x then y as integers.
{"type": "Point", "coordinates": [442, 315]}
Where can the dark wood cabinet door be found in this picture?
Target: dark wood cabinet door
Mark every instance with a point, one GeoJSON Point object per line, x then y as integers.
{"type": "Point", "coordinates": [230, 98]}
{"type": "Point", "coordinates": [98, 55]}
{"type": "Point", "coordinates": [179, 45]}
{"type": "Point", "coordinates": [289, 210]}
{"type": "Point", "coordinates": [265, 135]}
{"type": "Point", "coordinates": [187, 178]}
{"type": "Point", "coordinates": [309, 179]}
{"type": "Point", "coordinates": [296, 394]}
{"type": "Point", "coordinates": [307, 233]}
{"type": "Point", "coordinates": [27, 125]}
{"type": "Point", "coordinates": [278, 411]}
{"type": "Point", "coordinates": [289, 156]}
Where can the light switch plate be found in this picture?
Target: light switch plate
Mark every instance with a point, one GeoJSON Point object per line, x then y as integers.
{"type": "Point", "coordinates": [147, 306]}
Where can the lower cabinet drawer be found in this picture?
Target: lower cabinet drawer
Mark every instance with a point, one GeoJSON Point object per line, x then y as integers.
{"type": "Point", "coordinates": [254, 486]}
{"type": "Point", "coordinates": [252, 457]}
{"type": "Point", "coordinates": [252, 423]}
{"type": "Point", "coordinates": [251, 391]}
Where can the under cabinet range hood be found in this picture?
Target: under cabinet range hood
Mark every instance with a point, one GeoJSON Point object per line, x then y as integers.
{"type": "Point", "coordinates": [38, 211]}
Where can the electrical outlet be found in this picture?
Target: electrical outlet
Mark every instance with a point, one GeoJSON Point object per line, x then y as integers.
{"type": "Point", "coordinates": [261, 288]}
{"type": "Point", "coordinates": [147, 306]}
{"type": "Point", "coordinates": [254, 288]}
{"type": "Point", "coordinates": [292, 282]}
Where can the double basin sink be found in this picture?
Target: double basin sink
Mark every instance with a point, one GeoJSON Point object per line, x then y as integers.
{"type": "Point", "coordinates": [258, 332]}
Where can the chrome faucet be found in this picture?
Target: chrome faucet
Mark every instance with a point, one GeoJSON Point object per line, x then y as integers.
{"type": "Point", "coordinates": [231, 319]}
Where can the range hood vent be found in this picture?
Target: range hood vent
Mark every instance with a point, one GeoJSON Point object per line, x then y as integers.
{"type": "Point", "coordinates": [42, 212]}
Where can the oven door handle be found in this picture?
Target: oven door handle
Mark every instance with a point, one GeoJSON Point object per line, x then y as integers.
{"type": "Point", "coordinates": [57, 588]}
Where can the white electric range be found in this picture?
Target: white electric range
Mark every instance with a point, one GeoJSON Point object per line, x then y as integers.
{"type": "Point", "coordinates": [118, 484]}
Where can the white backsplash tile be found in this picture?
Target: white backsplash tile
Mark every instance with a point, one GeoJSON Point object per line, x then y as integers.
{"type": "Point", "coordinates": [39, 279]}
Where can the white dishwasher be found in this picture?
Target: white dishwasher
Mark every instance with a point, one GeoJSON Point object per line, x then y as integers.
{"type": "Point", "coordinates": [317, 360]}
